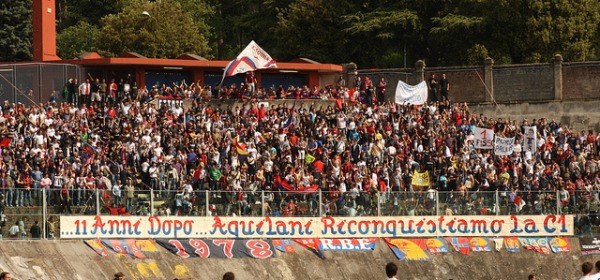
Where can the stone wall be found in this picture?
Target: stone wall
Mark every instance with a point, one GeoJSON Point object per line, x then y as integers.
{"type": "Point", "coordinates": [581, 81]}
{"type": "Point", "coordinates": [543, 82]}
{"type": "Point", "coordinates": [517, 83]}
{"type": "Point", "coordinates": [578, 115]}
{"type": "Point", "coordinates": [467, 84]}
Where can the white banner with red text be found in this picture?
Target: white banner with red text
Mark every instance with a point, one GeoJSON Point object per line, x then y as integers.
{"type": "Point", "coordinates": [312, 227]}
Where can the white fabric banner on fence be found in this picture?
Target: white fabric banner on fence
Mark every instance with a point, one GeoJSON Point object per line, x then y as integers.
{"type": "Point", "coordinates": [87, 227]}
{"type": "Point", "coordinates": [416, 95]}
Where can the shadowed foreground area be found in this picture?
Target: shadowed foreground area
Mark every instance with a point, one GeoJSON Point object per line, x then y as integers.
{"type": "Point", "coordinates": [74, 260]}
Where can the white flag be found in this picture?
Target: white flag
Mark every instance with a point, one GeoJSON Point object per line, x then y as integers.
{"type": "Point", "coordinates": [530, 139]}
{"type": "Point", "coordinates": [483, 138]}
{"type": "Point", "coordinates": [504, 146]}
{"type": "Point", "coordinates": [415, 95]}
{"type": "Point", "coordinates": [498, 242]}
{"type": "Point", "coordinates": [253, 57]}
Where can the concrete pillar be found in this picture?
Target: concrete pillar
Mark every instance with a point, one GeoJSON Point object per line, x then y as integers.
{"type": "Point", "coordinates": [314, 79]}
{"type": "Point", "coordinates": [488, 71]}
{"type": "Point", "coordinates": [419, 71]}
{"type": "Point", "coordinates": [140, 77]}
{"type": "Point", "coordinates": [558, 77]}
{"type": "Point", "coordinates": [44, 30]}
{"type": "Point", "coordinates": [349, 73]}
{"type": "Point", "coordinates": [198, 78]}
{"type": "Point", "coordinates": [258, 77]}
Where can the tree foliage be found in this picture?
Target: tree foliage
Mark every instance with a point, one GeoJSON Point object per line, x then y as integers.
{"type": "Point", "coordinates": [72, 12]}
{"type": "Point", "coordinates": [15, 30]}
{"type": "Point", "coordinates": [77, 39]}
{"type": "Point", "coordinates": [237, 22]}
{"type": "Point", "coordinates": [372, 33]}
{"type": "Point", "coordinates": [312, 29]}
{"type": "Point", "coordinates": [169, 31]}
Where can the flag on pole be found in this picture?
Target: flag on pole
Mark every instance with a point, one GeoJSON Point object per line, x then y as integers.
{"type": "Point", "coordinates": [240, 147]}
{"type": "Point", "coordinates": [253, 57]}
{"type": "Point", "coordinates": [420, 179]}
{"type": "Point", "coordinates": [289, 123]}
{"type": "Point", "coordinates": [520, 203]}
{"type": "Point", "coordinates": [259, 137]}
{"type": "Point", "coordinates": [105, 195]}
{"type": "Point", "coordinates": [5, 142]}
{"type": "Point", "coordinates": [291, 120]}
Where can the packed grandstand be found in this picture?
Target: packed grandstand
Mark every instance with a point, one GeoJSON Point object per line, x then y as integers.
{"type": "Point", "coordinates": [124, 153]}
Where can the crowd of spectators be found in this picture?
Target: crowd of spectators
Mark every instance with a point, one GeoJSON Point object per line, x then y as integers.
{"type": "Point", "coordinates": [361, 153]}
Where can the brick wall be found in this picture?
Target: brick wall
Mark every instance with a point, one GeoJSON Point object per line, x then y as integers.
{"type": "Point", "coordinates": [581, 81]}
{"type": "Point", "coordinates": [507, 83]}
{"type": "Point", "coordinates": [523, 83]}
{"type": "Point", "coordinates": [466, 83]}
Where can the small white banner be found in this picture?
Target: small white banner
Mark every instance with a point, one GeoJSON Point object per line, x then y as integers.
{"type": "Point", "coordinates": [504, 146]}
{"type": "Point", "coordinates": [530, 139]}
{"type": "Point", "coordinates": [415, 95]}
{"type": "Point", "coordinates": [484, 138]}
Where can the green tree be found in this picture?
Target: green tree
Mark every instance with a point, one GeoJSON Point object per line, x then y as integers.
{"type": "Point", "coordinates": [168, 31]}
{"type": "Point", "coordinates": [444, 34]}
{"type": "Point", "coordinates": [510, 31]}
{"type": "Point", "coordinates": [385, 31]}
{"type": "Point", "coordinates": [201, 12]}
{"type": "Point", "coordinates": [313, 29]}
{"type": "Point", "coordinates": [77, 39]}
{"type": "Point", "coordinates": [73, 12]}
{"type": "Point", "coordinates": [477, 54]}
{"type": "Point", "coordinates": [237, 22]}
{"type": "Point", "coordinates": [533, 31]}
{"type": "Point", "coordinates": [565, 27]}
{"type": "Point", "coordinates": [15, 30]}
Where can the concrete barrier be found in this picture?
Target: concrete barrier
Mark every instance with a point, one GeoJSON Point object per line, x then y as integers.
{"type": "Point", "coordinates": [578, 115]}
{"type": "Point", "coordinates": [70, 259]}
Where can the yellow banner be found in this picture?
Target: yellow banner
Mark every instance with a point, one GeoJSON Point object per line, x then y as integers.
{"type": "Point", "coordinates": [420, 179]}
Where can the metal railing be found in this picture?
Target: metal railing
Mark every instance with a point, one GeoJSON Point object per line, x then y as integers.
{"type": "Point", "coordinates": [23, 207]}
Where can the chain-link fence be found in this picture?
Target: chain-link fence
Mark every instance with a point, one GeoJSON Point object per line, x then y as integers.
{"type": "Point", "coordinates": [34, 83]}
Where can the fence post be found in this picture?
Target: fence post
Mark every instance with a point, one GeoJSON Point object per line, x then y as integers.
{"type": "Point", "coordinates": [207, 194]}
{"type": "Point", "coordinates": [379, 195]}
{"type": "Point", "coordinates": [420, 70]}
{"type": "Point", "coordinates": [44, 213]}
{"type": "Point", "coordinates": [38, 96]}
{"type": "Point", "coordinates": [97, 202]}
{"type": "Point", "coordinates": [497, 194]}
{"type": "Point", "coordinates": [488, 70]}
{"type": "Point", "coordinates": [262, 203]}
{"type": "Point", "coordinates": [437, 203]}
{"type": "Point", "coordinates": [320, 203]}
{"type": "Point", "coordinates": [151, 202]}
{"type": "Point", "coordinates": [572, 201]}
{"type": "Point", "coordinates": [558, 77]}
